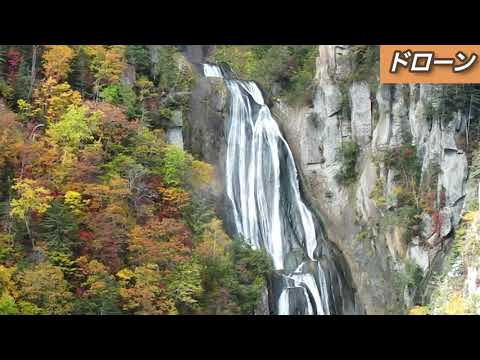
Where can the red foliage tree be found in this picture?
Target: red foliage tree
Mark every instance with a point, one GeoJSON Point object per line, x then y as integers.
{"type": "Point", "coordinates": [14, 58]}
{"type": "Point", "coordinates": [165, 242]}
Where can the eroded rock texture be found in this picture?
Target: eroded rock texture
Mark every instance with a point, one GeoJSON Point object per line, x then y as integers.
{"type": "Point", "coordinates": [385, 119]}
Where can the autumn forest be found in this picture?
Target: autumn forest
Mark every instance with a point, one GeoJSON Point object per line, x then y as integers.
{"type": "Point", "coordinates": [100, 215]}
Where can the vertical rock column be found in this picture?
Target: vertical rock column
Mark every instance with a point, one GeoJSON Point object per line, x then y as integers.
{"type": "Point", "coordinates": [174, 130]}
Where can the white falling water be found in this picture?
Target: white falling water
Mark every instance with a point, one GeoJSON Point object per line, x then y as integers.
{"type": "Point", "coordinates": [258, 162]}
{"type": "Point", "coordinates": [212, 71]}
{"type": "Point", "coordinates": [307, 281]}
{"type": "Point", "coordinates": [284, 299]}
{"type": "Point", "coordinates": [284, 303]}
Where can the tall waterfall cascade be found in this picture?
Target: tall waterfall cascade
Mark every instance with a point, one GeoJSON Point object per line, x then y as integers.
{"type": "Point", "coordinates": [268, 211]}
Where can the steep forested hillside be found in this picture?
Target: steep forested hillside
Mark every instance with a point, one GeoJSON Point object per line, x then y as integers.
{"type": "Point", "coordinates": [116, 164]}
{"type": "Point", "coordinates": [99, 214]}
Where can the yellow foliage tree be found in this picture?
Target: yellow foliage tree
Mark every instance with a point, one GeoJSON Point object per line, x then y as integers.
{"type": "Point", "coordinates": [175, 196]}
{"type": "Point", "coordinates": [74, 128]}
{"type": "Point", "coordinates": [145, 295]}
{"type": "Point", "coordinates": [8, 292]}
{"type": "Point", "coordinates": [7, 286]}
{"type": "Point", "coordinates": [455, 305]}
{"type": "Point", "coordinates": [57, 59]}
{"type": "Point", "coordinates": [418, 310]}
{"type": "Point", "coordinates": [32, 199]}
{"type": "Point", "coordinates": [202, 174]}
{"type": "Point", "coordinates": [45, 287]}
{"type": "Point", "coordinates": [214, 240]}
{"type": "Point", "coordinates": [75, 202]}
{"type": "Point", "coordinates": [106, 63]}
{"type": "Point", "coordinates": [50, 101]}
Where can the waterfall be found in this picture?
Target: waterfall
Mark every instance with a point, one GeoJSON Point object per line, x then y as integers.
{"type": "Point", "coordinates": [268, 211]}
{"type": "Point", "coordinates": [284, 303]}
{"type": "Point", "coordinates": [212, 71]}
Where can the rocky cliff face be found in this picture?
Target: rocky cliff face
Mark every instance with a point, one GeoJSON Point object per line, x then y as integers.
{"type": "Point", "coordinates": [203, 128]}
{"type": "Point", "coordinates": [380, 119]}
{"type": "Point", "coordinates": [391, 263]}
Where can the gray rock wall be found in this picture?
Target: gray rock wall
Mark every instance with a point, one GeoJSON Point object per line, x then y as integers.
{"type": "Point", "coordinates": [348, 212]}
